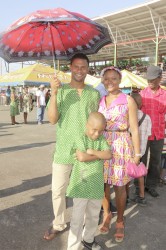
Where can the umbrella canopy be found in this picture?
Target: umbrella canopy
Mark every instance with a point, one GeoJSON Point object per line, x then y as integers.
{"type": "Point", "coordinates": [130, 80]}
{"type": "Point", "coordinates": [33, 75]}
{"type": "Point", "coordinates": [56, 33]}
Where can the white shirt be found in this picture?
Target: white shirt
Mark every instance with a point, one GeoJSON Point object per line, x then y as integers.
{"type": "Point", "coordinates": [144, 131]}
{"type": "Point", "coordinates": [41, 97]}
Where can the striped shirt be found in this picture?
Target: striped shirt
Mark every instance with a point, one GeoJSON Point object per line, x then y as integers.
{"type": "Point", "coordinates": [144, 131]}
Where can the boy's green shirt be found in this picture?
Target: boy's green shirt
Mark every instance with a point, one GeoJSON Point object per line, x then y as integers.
{"type": "Point", "coordinates": [87, 178]}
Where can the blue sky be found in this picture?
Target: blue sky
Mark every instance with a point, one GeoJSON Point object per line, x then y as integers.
{"type": "Point", "coordinates": [11, 10]}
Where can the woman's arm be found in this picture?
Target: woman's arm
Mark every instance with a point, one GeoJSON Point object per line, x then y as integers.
{"type": "Point", "coordinates": [12, 97]}
{"type": "Point", "coordinates": [133, 123]}
{"type": "Point", "coordinates": [38, 101]}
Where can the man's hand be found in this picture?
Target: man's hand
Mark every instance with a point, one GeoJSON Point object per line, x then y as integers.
{"type": "Point", "coordinates": [55, 85]}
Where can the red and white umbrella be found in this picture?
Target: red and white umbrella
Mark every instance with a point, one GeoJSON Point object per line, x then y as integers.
{"type": "Point", "coordinates": [55, 33]}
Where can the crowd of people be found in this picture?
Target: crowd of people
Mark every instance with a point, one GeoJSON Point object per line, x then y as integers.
{"type": "Point", "coordinates": [23, 102]}
{"type": "Point", "coordinates": [97, 135]}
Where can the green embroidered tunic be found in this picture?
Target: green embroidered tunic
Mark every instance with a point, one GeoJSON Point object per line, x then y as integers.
{"type": "Point", "coordinates": [74, 111]}
{"type": "Point", "coordinates": [87, 179]}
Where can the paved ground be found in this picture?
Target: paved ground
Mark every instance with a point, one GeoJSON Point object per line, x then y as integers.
{"type": "Point", "coordinates": [25, 197]}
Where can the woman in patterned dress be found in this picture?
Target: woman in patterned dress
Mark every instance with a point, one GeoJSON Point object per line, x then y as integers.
{"type": "Point", "coordinates": [120, 111]}
{"type": "Point", "coordinates": [27, 104]}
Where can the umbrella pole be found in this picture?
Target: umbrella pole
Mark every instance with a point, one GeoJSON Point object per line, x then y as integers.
{"type": "Point", "coordinates": [53, 50]}
{"type": "Point", "coordinates": [54, 62]}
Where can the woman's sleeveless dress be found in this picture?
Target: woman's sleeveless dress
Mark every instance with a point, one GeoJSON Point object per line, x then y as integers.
{"type": "Point", "coordinates": [119, 139]}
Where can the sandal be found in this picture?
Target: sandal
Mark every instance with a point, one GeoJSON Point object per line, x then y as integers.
{"type": "Point", "coordinates": [119, 235]}
{"type": "Point", "coordinates": [162, 182]}
{"type": "Point", "coordinates": [106, 225]}
{"type": "Point", "coordinates": [50, 234]}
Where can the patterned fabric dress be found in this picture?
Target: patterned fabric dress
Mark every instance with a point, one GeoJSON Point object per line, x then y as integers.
{"type": "Point", "coordinates": [118, 138]}
{"type": "Point", "coordinates": [27, 103]}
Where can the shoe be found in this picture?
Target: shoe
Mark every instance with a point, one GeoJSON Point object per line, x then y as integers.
{"type": "Point", "coordinates": [162, 182]}
{"type": "Point", "coordinates": [50, 234]}
{"type": "Point", "coordinates": [92, 246]}
{"type": "Point", "coordinates": [39, 123]}
{"type": "Point", "coordinates": [119, 235]}
{"type": "Point", "coordinates": [16, 122]}
{"type": "Point", "coordinates": [105, 226]}
{"type": "Point", "coordinates": [141, 201]}
{"type": "Point", "coordinates": [152, 192]}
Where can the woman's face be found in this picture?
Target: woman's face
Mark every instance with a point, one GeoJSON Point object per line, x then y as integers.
{"type": "Point", "coordinates": [111, 80]}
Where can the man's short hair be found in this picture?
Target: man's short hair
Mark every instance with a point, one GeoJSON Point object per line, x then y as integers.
{"type": "Point", "coordinates": [79, 56]}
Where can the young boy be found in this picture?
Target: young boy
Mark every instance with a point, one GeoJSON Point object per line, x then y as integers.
{"type": "Point", "coordinates": [145, 132]}
{"type": "Point", "coordinates": [86, 185]}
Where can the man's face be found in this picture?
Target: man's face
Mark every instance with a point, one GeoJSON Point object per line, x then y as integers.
{"type": "Point", "coordinates": [154, 84]}
{"type": "Point", "coordinates": [79, 69]}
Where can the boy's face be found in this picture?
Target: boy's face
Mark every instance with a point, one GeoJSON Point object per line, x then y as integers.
{"type": "Point", "coordinates": [94, 130]}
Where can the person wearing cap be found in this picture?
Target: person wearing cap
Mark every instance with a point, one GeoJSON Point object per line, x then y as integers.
{"type": "Point", "coordinates": [41, 104]}
{"type": "Point", "coordinates": [154, 104]}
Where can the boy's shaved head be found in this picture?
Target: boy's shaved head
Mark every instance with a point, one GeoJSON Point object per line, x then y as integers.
{"type": "Point", "coordinates": [95, 125]}
{"type": "Point", "coordinates": [97, 117]}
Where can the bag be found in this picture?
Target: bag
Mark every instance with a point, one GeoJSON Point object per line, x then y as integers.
{"type": "Point", "coordinates": [142, 119]}
{"type": "Point", "coordinates": [136, 171]}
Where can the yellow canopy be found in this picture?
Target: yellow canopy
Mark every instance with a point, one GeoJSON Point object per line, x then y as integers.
{"type": "Point", "coordinates": [130, 80]}
{"type": "Point", "coordinates": [33, 75]}
{"type": "Point", "coordinates": [90, 80]}
{"type": "Point", "coordinates": [163, 87]}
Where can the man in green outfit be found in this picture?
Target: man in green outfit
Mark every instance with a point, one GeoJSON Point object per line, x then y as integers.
{"type": "Point", "coordinates": [69, 108]}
